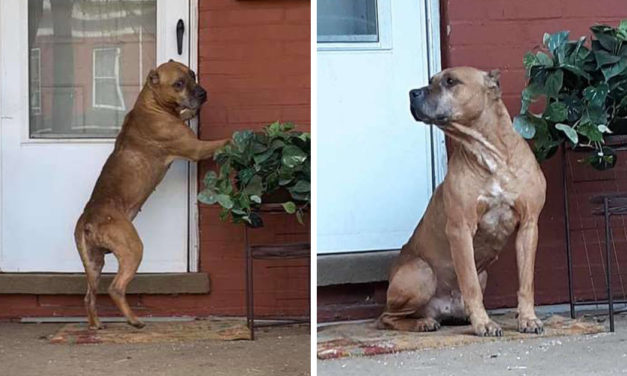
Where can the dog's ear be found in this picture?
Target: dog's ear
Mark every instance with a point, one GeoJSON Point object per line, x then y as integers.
{"type": "Point", "coordinates": [493, 82]}
{"type": "Point", "coordinates": [153, 77]}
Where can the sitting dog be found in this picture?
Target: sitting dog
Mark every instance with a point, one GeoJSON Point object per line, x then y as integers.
{"type": "Point", "coordinates": [493, 187]}
{"type": "Point", "coordinates": [152, 136]}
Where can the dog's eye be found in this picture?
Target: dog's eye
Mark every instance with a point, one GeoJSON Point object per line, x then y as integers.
{"type": "Point", "coordinates": [179, 84]}
{"type": "Point", "coordinates": [450, 82]}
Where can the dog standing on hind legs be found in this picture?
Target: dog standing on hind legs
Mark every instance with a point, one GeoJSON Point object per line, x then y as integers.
{"type": "Point", "coordinates": [493, 187]}
{"type": "Point", "coordinates": [154, 134]}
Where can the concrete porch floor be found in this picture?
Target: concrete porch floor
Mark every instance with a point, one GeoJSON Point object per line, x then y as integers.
{"type": "Point", "coordinates": [599, 355]}
{"type": "Point", "coordinates": [280, 351]}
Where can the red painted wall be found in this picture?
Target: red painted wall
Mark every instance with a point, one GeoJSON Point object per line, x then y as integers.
{"type": "Point", "coordinates": [493, 34]}
{"type": "Point", "coordinates": [254, 60]}
{"type": "Point", "coordinates": [255, 63]}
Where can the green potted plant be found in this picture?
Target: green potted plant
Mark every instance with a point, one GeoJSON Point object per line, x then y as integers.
{"type": "Point", "coordinates": [584, 94]}
{"type": "Point", "coordinates": [272, 166]}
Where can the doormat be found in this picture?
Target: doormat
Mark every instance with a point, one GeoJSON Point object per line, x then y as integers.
{"type": "Point", "coordinates": [363, 339]}
{"type": "Point", "coordinates": [224, 329]}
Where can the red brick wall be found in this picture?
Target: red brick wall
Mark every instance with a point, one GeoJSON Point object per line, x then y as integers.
{"type": "Point", "coordinates": [254, 60]}
{"type": "Point", "coordinates": [492, 34]}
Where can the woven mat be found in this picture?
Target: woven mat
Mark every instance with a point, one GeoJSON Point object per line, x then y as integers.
{"type": "Point", "coordinates": [363, 339]}
{"type": "Point", "coordinates": [225, 329]}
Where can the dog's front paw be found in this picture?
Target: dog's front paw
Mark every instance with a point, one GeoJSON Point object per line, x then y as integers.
{"type": "Point", "coordinates": [530, 325]}
{"type": "Point", "coordinates": [97, 326]}
{"type": "Point", "coordinates": [427, 325]}
{"type": "Point", "coordinates": [487, 329]}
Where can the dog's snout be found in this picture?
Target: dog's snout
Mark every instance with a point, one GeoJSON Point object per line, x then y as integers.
{"type": "Point", "coordinates": [200, 93]}
{"type": "Point", "coordinates": [417, 93]}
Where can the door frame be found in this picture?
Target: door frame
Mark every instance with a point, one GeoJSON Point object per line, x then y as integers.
{"type": "Point", "coordinates": [192, 181]}
{"type": "Point", "coordinates": [439, 158]}
{"type": "Point", "coordinates": [193, 229]}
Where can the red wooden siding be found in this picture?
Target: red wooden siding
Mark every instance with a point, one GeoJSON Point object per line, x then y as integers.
{"type": "Point", "coordinates": [495, 34]}
{"type": "Point", "coordinates": [254, 61]}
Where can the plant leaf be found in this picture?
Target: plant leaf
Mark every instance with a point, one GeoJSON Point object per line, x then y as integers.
{"type": "Point", "coordinates": [569, 132]}
{"type": "Point", "coordinates": [299, 216]}
{"type": "Point", "coordinates": [210, 179]}
{"type": "Point", "coordinates": [292, 156]}
{"type": "Point", "coordinates": [595, 95]}
{"type": "Point", "coordinates": [622, 30]}
{"type": "Point", "coordinates": [554, 83]}
{"type": "Point", "coordinates": [524, 126]}
{"type": "Point", "coordinates": [544, 59]}
{"type": "Point", "coordinates": [254, 186]}
{"type": "Point", "coordinates": [529, 60]}
{"type": "Point", "coordinates": [590, 131]}
{"type": "Point", "coordinates": [225, 201]}
{"type": "Point", "coordinates": [602, 159]}
{"type": "Point", "coordinates": [602, 33]}
{"type": "Point", "coordinates": [207, 196]}
{"type": "Point", "coordinates": [529, 95]}
{"type": "Point", "coordinates": [614, 69]}
{"type": "Point", "coordinates": [301, 186]}
{"type": "Point", "coordinates": [255, 220]}
{"type": "Point", "coordinates": [576, 70]}
{"type": "Point", "coordinates": [290, 207]}
{"type": "Point", "coordinates": [263, 156]}
{"type": "Point", "coordinates": [556, 112]}
{"type": "Point", "coordinates": [603, 57]}
{"type": "Point", "coordinates": [556, 41]}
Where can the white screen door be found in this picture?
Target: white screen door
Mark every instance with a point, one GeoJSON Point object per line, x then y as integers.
{"type": "Point", "coordinates": [71, 70]}
{"type": "Point", "coordinates": [374, 164]}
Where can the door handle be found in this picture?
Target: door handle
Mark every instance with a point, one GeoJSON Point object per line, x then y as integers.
{"type": "Point", "coordinates": [180, 30]}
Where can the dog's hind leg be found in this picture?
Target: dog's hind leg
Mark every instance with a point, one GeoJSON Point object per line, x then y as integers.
{"type": "Point", "coordinates": [93, 261]}
{"type": "Point", "coordinates": [92, 271]}
{"type": "Point", "coordinates": [121, 238]}
{"type": "Point", "coordinates": [412, 285]}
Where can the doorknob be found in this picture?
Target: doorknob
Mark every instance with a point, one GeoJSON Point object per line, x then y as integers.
{"type": "Point", "coordinates": [180, 29]}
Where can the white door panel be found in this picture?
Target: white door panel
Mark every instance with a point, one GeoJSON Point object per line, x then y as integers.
{"type": "Point", "coordinates": [374, 164]}
{"type": "Point", "coordinates": [45, 182]}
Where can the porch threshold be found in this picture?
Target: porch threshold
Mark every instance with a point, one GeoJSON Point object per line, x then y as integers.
{"type": "Point", "coordinates": [74, 283]}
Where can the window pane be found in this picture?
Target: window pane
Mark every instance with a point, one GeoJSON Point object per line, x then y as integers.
{"type": "Point", "coordinates": [347, 21]}
{"type": "Point", "coordinates": [104, 62]}
{"type": "Point", "coordinates": [35, 88]}
{"type": "Point", "coordinates": [78, 42]}
{"type": "Point", "coordinates": [106, 94]}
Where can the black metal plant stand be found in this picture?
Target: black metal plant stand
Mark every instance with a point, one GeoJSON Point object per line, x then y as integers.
{"type": "Point", "coordinates": [611, 204]}
{"type": "Point", "coordinates": [269, 252]}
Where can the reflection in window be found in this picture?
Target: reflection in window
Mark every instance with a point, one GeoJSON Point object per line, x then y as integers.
{"type": "Point", "coordinates": [106, 79]}
{"type": "Point", "coordinates": [35, 81]}
{"type": "Point", "coordinates": [93, 56]}
{"type": "Point", "coordinates": [347, 21]}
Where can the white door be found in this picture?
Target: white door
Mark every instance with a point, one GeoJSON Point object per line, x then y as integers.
{"type": "Point", "coordinates": [70, 71]}
{"type": "Point", "coordinates": [374, 161]}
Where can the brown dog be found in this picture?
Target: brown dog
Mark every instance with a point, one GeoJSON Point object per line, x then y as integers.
{"type": "Point", "coordinates": [152, 136]}
{"type": "Point", "coordinates": [493, 187]}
